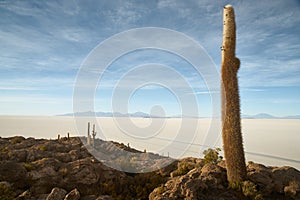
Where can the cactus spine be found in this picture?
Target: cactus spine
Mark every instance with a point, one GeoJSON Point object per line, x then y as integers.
{"type": "Point", "coordinates": [231, 130]}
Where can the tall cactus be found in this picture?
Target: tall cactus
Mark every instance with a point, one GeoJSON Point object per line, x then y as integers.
{"type": "Point", "coordinates": [231, 130]}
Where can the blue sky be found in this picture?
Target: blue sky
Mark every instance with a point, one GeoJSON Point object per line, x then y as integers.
{"type": "Point", "coordinates": [44, 43]}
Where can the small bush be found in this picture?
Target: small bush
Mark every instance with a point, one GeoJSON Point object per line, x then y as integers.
{"type": "Point", "coordinates": [212, 156]}
{"type": "Point", "coordinates": [184, 167]}
{"type": "Point", "coordinates": [236, 186]}
{"type": "Point", "coordinates": [28, 166]}
{"type": "Point", "coordinates": [4, 150]}
{"type": "Point", "coordinates": [43, 148]}
{"type": "Point", "coordinates": [160, 189]}
{"type": "Point", "coordinates": [249, 189]}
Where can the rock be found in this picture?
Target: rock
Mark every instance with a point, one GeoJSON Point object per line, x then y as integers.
{"type": "Point", "coordinates": [74, 154]}
{"type": "Point", "coordinates": [41, 197]}
{"type": "Point", "coordinates": [63, 157]}
{"type": "Point", "coordinates": [283, 176]}
{"type": "Point", "coordinates": [57, 194]}
{"type": "Point", "coordinates": [104, 197]}
{"type": "Point", "coordinates": [24, 196]}
{"type": "Point", "coordinates": [293, 190]}
{"type": "Point", "coordinates": [273, 180]}
{"type": "Point", "coordinates": [34, 155]}
{"type": "Point", "coordinates": [262, 176]}
{"type": "Point", "coordinates": [45, 175]}
{"type": "Point", "coordinates": [16, 139]}
{"type": "Point", "coordinates": [73, 195]}
{"type": "Point", "coordinates": [214, 175]}
{"type": "Point", "coordinates": [82, 171]}
{"type": "Point", "coordinates": [13, 172]}
{"type": "Point", "coordinates": [57, 146]}
{"type": "Point", "coordinates": [38, 166]}
{"type": "Point", "coordinates": [18, 155]}
{"type": "Point", "coordinates": [5, 184]}
{"type": "Point", "coordinates": [89, 197]}
{"type": "Point", "coordinates": [222, 164]}
{"type": "Point", "coordinates": [188, 186]}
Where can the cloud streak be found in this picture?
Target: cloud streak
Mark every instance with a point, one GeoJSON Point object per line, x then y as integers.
{"type": "Point", "coordinates": [44, 43]}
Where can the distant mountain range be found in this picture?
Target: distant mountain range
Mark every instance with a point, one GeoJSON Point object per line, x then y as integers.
{"type": "Point", "coordinates": [268, 116]}
{"type": "Point", "coordinates": [146, 115]}
{"type": "Point", "coordinates": [110, 114]}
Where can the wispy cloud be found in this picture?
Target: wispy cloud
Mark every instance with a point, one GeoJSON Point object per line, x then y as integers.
{"type": "Point", "coordinates": [44, 43]}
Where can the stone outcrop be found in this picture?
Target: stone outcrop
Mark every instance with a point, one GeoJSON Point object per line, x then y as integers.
{"type": "Point", "coordinates": [31, 168]}
{"type": "Point", "coordinates": [73, 195]}
{"type": "Point", "coordinates": [64, 169]}
{"type": "Point", "coordinates": [56, 194]}
{"type": "Point", "coordinates": [210, 182]}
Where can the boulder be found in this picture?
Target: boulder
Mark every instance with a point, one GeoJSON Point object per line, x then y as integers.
{"type": "Point", "coordinates": [73, 195]}
{"type": "Point", "coordinates": [57, 194]}
{"type": "Point", "coordinates": [214, 175]}
{"type": "Point", "coordinates": [283, 176]}
{"type": "Point", "coordinates": [292, 190]}
{"type": "Point", "coordinates": [45, 175]}
{"type": "Point", "coordinates": [82, 172]}
{"type": "Point", "coordinates": [262, 176]}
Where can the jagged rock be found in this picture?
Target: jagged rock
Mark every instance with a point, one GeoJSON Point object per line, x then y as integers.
{"type": "Point", "coordinates": [192, 184]}
{"type": "Point", "coordinates": [26, 195]}
{"type": "Point", "coordinates": [39, 165]}
{"type": "Point", "coordinates": [293, 190]}
{"type": "Point", "coordinates": [82, 171]}
{"type": "Point", "coordinates": [63, 157]}
{"type": "Point", "coordinates": [57, 194]}
{"type": "Point", "coordinates": [45, 175]}
{"type": "Point", "coordinates": [273, 180]}
{"type": "Point", "coordinates": [222, 164]}
{"type": "Point", "coordinates": [262, 176]}
{"type": "Point", "coordinates": [283, 176]}
{"type": "Point", "coordinates": [214, 175]}
{"type": "Point", "coordinates": [74, 154]}
{"type": "Point", "coordinates": [73, 195]}
{"type": "Point", "coordinates": [207, 182]}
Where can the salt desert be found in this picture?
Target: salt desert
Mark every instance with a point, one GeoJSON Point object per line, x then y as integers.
{"type": "Point", "coordinates": [267, 141]}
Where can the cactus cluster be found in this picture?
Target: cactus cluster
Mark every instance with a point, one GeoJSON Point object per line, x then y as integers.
{"type": "Point", "coordinates": [91, 141]}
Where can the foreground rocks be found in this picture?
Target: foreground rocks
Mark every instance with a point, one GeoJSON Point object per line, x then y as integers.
{"type": "Point", "coordinates": [209, 182]}
{"type": "Point", "coordinates": [64, 169]}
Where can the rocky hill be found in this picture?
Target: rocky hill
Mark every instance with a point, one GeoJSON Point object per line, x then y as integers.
{"type": "Point", "coordinates": [64, 169]}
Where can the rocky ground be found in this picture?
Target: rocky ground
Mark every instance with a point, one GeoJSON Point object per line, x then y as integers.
{"type": "Point", "coordinates": [64, 169]}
